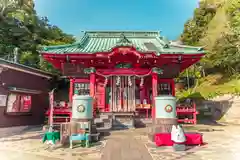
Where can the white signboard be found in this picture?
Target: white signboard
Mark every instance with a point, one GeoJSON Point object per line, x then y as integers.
{"type": "Point", "coordinates": [3, 100]}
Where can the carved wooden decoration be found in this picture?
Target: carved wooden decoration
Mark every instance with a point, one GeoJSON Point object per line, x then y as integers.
{"type": "Point", "coordinates": [70, 69]}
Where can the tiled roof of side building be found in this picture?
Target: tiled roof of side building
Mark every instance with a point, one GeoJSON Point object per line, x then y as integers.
{"type": "Point", "coordinates": [23, 68]}
{"type": "Point", "coordinates": [102, 41]}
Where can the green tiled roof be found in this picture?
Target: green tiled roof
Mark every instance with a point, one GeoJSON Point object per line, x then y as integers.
{"type": "Point", "coordinates": [100, 41]}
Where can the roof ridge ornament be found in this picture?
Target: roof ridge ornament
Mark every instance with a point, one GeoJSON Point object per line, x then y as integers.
{"type": "Point", "coordinates": [124, 41]}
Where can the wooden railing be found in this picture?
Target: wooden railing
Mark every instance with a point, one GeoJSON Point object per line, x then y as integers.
{"type": "Point", "coordinates": [61, 113]}
{"type": "Point", "coordinates": [187, 113]}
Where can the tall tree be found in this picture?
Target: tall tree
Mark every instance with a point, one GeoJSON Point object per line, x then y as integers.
{"type": "Point", "coordinates": [224, 52]}
{"type": "Point", "coordinates": [21, 27]}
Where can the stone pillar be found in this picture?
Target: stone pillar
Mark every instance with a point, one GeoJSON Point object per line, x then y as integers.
{"type": "Point", "coordinates": [165, 115]}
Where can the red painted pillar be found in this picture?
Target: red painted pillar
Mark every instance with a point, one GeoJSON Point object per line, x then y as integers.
{"type": "Point", "coordinates": [147, 94]}
{"type": "Point", "coordinates": [92, 91]}
{"type": "Point", "coordinates": [173, 87]}
{"type": "Point", "coordinates": [104, 98]}
{"type": "Point", "coordinates": [142, 94]}
{"type": "Point", "coordinates": [71, 88]}
{"type": "Point", "coordinates": [154, 93]}
{"type": "Point", "coordinates": [92, 84]}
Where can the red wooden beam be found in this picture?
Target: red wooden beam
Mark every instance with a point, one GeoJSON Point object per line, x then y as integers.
{"type": "Point", "coordinates": [123, 71]}
{"type": "Point", "coordinates": [78, 80]}
{"type": "Point", "coordinates": [188, 63]}
{"type": "Point", "coordinates": [91, 59]}
{"type": "Point", "coordinates": [71, 90]}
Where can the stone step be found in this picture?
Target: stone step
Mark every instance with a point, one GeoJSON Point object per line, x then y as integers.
{"type": "Point", "coordinates": [102, 116]}
{"type": "Point", "coordinates": [97, 120]}
{"type": "Point", "coordinates": [104, 129]}
{"type": "Point", "coordinates": [123, 123]}
{"type": "Point", "coordinates": [103, 123]}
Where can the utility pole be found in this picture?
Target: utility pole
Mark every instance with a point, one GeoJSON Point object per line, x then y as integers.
{"type": "Point", "coordinates": [15, 53]}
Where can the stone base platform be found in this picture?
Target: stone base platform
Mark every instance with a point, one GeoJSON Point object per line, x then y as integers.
{"type": "Point", "coordinates": [161, 126]}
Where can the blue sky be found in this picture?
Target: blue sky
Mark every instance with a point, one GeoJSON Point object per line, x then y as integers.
{"type": "Point", "coordinates": [74, 16]}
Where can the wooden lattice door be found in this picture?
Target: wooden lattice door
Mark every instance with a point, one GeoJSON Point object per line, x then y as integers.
{"type": "Point", "coordinates": [123, 94]}
{"type": "Point", "coordinates": [100, 95]}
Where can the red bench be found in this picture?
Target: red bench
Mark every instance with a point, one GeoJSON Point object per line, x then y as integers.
{"type": "Point", "coordinates": [164, 139]}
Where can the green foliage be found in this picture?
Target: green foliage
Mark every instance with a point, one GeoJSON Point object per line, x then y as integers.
{"type": "Point", "coordinates": [193, 71]}
{"type": "Point", "coordinates": [204, 91]}
{"type": "Point", "coordinates": [28, 58]}
{"type": "Point", "coordinates": [195, 27]}
{"type": "Point", "coordinates": [224, 53]}
{"type": "Point", "coordinates": [21, 27]}
{"type": "Point", "coordinates": [185, 94]}
{"type": "Point", "coordinates": [44, 65]}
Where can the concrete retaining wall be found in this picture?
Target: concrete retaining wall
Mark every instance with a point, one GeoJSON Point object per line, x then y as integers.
{"type": "Point", "coordinates": [225, 108]}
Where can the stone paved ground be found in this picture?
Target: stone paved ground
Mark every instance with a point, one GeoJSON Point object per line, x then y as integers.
{"type": "Point", "coordinates": [223, 143]}
{"type": "Point", "coordinates": [27, 145]}
{"type": "Point", "coordinates": [18, 155]}
{"type": "Point", "coordinates": [123, 146]}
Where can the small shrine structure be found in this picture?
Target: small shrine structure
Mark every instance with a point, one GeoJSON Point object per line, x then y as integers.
{"type": "Point", "coordinates": [23, 94]}
{"type": "Point", "coordinates": [122, 70]}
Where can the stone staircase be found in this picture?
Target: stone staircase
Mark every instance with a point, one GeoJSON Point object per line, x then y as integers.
{"type": "Point", "coordinates": [103, 123]}
{"type": "Point", "coordinates": [108, 121]}
{"type": "Point", "coordinates": [123, 122]}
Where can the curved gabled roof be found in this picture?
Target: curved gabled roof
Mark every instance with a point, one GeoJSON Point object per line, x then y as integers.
{"type": "Point", "coordinates": [103, 41]}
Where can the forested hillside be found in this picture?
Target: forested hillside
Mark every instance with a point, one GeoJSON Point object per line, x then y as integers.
{"type": "Point", "coordinates": [21, 27]}
{"type": "Point", "coordinates": [215, 26]}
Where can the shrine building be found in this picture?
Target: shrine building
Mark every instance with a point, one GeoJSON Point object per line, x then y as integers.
{"type": "Point", "coordinates": [23, 94]}
{"type": "Point", "coordinates": [122, 70]}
